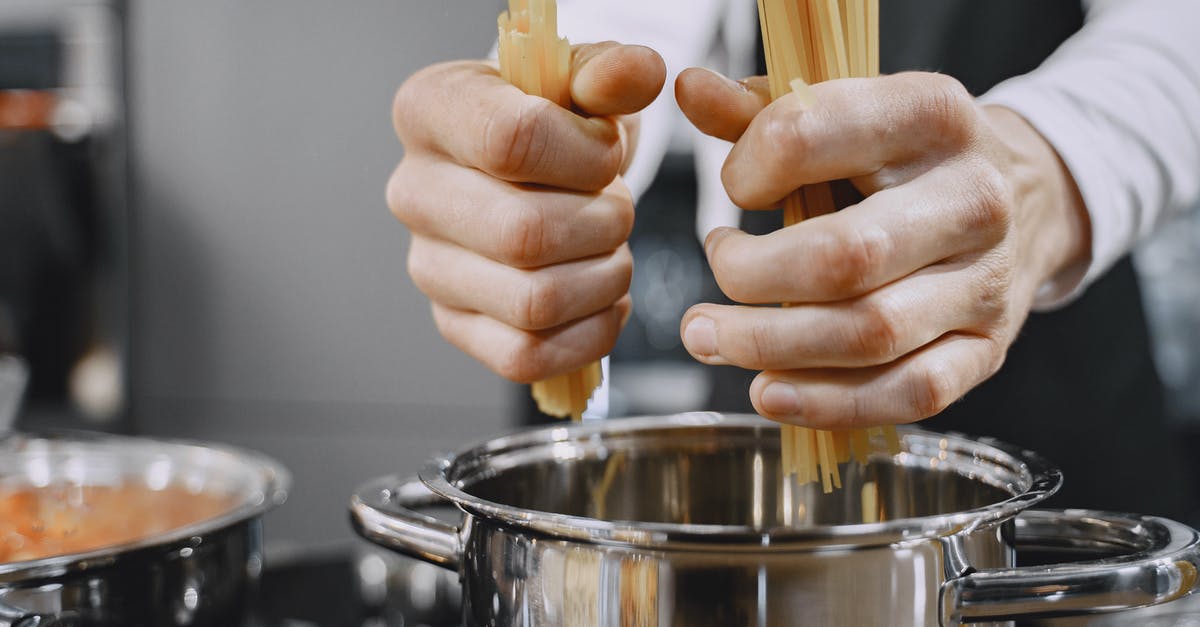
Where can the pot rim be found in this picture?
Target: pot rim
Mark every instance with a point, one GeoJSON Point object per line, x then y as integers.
{"type": "Point", "coordinates": [1044, 480]}
{"type": "Point", "coordinates": [275, 483]}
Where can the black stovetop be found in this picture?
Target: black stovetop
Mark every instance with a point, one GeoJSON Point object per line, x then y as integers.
{"type": "Point", "coordinates": [356, 589]}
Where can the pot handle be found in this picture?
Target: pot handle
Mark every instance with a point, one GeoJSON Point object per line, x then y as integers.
{"type": "Point", "coordinates": [16, 617]}
{"type": "Point", "coordinates": [384, 511]}
{"type": "Point", "coordinates": [1160, 564]}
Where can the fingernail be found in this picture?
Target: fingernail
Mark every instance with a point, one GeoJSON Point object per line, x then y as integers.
{"type": "Point", "coordinates": [727, 82]}
{"type": "Point", "coordinates": [780, 399]}
{"type": "Point", "coordinates": [701, 336]}
{"type": "Point", "coordinates": [737, 86]}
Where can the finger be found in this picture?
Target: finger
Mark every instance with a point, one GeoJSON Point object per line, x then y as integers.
{"type": "Point", "coordinates": [718, 106]}
{"type": "Point", "coordinates": [526, 299]}
{"type": "Point", "coordinates": [915, 388]}
{"type": "Point", "coordinates": [630, 127]}
{"type": "Point", "coordinates": [528, 356]}
{"type": "Point", "coordinates": [517, 225]}
{"type": "Point", "coordinates": [614, 79]}
{"type": "Point", "coordinates": [465, 111]}
{"type": "Point", "coordinates": [874, 330]}
{"type": "Point", "coordinates": [856, 128]}
{"type": "Point", "coordinates": [947, 212]}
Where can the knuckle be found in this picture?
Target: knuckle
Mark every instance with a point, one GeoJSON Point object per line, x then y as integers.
{"type": "Point", "coordinates": [399, 107]}
{"type": "Point", "coordinates": [932, 389]}
{"type": "Point", "coordinates": [420, 269]}
{"type": "Point", "coordinates": [857, 411]}
{"type": "Point", "coordinates": [838, 411]}
{"type": "Point", "coordinates": [854, 258]}
{"type": "Point", "coordinates": [996, 354]}
{"type": "Point", "coordinates": [785, 147]}
{"type": "Point", "coordinates": [443, 324]}
{"type": "Point", "coordinates": [877, 331]}
{"type": "Point", "coordinates": [612, 156]}
{"type": "Point", "coordinates": [624, 268]}
{"type": "Point", "coordinates": [521, 361]}
{"type": "Point", "coordinates": [412, 96]}
{"type": "Point", "coordinates": [400, 200]}
{"type": "Point", "coordinates": [608, 340]}
{"type": "Point", "coordinates": [990, 207]}
{"type": "Point", "coordinates": [403, 103]}
{"type": "Point", "coordinates": [621, 202]}
{"type": "Point", "coordinates": [951, 93]}
{"type": "Point", "coordinates": [524, 235]}
{"type": "Point", "coordinates": [738, 192]}
{"type": "Point", "coordinates": [538, 304]}
{"type": "Point", "coordinates": [780, 137]}
{"type": "Point", "coordinates": [949, 109]}
{"type": "Point", "coordinates": [762, 340]}
{"type": "Point", "coordinates": [992, 306]}
{"type": "Point", "coordinates": [994, 292]}
{"type": "Point", "coordinates": [950, 89]}
{"type": "Point", "coordinates": [514, 142]}
{"type": "Point", "coordinates": [727, 270]}
{"type": "Point", "coordinates": [777, 150]}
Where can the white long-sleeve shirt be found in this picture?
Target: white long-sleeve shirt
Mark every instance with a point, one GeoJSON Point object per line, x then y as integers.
{"type": "Point", "coordinates": [1119, 101]}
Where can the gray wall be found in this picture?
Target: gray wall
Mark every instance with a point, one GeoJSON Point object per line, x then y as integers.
{"type": "Point", "coordinates": [272, 309]}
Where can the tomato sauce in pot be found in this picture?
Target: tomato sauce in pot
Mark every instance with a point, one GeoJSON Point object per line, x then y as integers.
{"type": "Point", "coordinates": [37, 523]}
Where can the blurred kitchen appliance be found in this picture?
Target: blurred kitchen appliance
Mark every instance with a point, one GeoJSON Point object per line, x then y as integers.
{"type": "Point", "coordinates": [63, 210]}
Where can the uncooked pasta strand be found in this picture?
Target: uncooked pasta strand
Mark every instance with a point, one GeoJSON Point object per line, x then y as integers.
{"type": "Point", "coordinates": [809, 41]}
{"type": "Point", "coordinates": [872, 25]}
{"type": "Point", "coordinates": [537, 61]}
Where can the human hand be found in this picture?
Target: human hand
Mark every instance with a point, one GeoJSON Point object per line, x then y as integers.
{"type": "Point", "coordinates": [518, 213]}
{"type": "Point", "coordinates": [904, 302]}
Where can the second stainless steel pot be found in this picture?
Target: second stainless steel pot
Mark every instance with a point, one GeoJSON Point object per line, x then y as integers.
{"type": "Point", "coordinates": [199, 575]}
{"type": "Point", "coordinates": [683, 521]}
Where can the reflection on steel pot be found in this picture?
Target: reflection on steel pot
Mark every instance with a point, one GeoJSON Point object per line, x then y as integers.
{"type": "Point", "coordinates": [202, 573]}
{"type": "Point", "coordinates": [682, 521]}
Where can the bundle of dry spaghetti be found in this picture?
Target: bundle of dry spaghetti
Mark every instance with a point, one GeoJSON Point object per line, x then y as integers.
{"type": "Point", "coordinates": [639, 592]}
{"type": "Point", "coordinates": [809, 41]}
{"type": "Point", "coordinates": [538, 62]}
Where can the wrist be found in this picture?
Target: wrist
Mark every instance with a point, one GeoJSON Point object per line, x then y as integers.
{"type": "Point", "coordinates": [1050, 218]}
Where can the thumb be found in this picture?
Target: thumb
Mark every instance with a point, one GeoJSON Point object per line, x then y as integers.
{"type": "Point", "coordinates": [718, 106]}
{"type": "Point", "coordinates": [614, 79]}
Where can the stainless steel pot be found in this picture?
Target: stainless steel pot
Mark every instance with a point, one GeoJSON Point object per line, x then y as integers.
{"type": "Point", "coordinates": [201, 574]}
{"type": "Point", "coordinates": [683, 521]}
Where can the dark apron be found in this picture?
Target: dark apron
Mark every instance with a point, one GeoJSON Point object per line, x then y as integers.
{"type": "Point", "coordinates": [1078, 385]}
